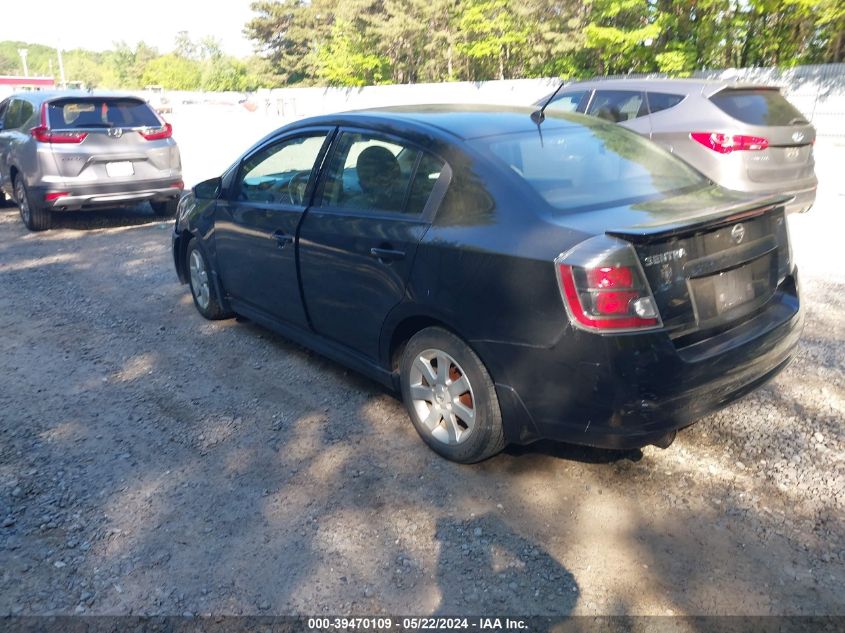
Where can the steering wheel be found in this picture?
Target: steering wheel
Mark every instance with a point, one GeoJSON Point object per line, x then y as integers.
{"type": "Point", "coordinates": [297, 186]}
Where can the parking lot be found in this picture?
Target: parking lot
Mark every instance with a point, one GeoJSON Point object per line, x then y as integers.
{"type": "Point", "coordinates": [152, 462]}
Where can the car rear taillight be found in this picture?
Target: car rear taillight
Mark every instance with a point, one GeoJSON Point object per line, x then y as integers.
{"type": "Point", "coordinates": [55, 195]}
{"type": "Point", "coordinates": [727, 143]}
{"type": "Point", "coordinates": [604, 288]}
{"type": "Point", "coordinates": [156, 134]}
{"type": "Point", "coordinates": [43, 134]}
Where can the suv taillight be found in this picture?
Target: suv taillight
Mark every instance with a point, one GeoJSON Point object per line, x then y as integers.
{"type": "Point", "coordinates": [727, 143]}
{"type": "Point", "coordinates": [43, 134]}
{"type": "Point", "coordinates": [604, 288]}
{"type": "Point", "coordinates": [156, 134]}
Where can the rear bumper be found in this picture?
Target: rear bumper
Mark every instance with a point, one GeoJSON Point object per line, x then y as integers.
{"type": "Point", "coordinates": [802, 201]}
{"type": "Point", "coordinates": [108, 195]}
{"type": "Point", "coordinates": [628, 391]}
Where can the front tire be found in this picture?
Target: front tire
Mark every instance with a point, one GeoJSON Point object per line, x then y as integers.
{"type": "Point", "coordinates": [165, 208]}
{"type": "Point", "coordinates": [450, 397]}
{"type": "Point", "coordinates": [202, 286]}
{"type": "Point", "coordinates": [35, 218]}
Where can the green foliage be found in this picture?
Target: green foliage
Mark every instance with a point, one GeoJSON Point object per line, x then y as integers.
{"type": "Point", "coordinates": [357, 42]}
{"type": "Point", "coordinates": [199, 65]}
{"type": "Point", "coordinates": [360, 42]}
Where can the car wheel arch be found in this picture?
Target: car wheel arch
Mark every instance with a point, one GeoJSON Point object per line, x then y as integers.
{"type": "Point", "coordinates": [399, 330]}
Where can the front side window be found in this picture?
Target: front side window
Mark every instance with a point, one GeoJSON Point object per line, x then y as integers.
{"type": "Point", "coordinates": [280, 172]}
{"type": "Point", "coordinates": [369, 173]}
{"type": "Point", "coordinates": [568, 102]}
{"type": "Point", "coordinates": [617, 106]}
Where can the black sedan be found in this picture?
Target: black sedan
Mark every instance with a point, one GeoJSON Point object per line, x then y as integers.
{"type": "Point", "coordinates": [513, 280]}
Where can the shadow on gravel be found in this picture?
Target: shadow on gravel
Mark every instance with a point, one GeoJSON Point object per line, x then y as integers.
{"type": "Point", "coordinates": [154, 462]}
{"type": "Point", "coordinates": [106, 218]}
{"type": "Point", "coordinates": [136, 215]}
{"type": "Point", "coordinates": [571, 452]}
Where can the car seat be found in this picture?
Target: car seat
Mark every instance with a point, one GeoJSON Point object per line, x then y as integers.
{"type": "Point", "coordinates": [380, 176]}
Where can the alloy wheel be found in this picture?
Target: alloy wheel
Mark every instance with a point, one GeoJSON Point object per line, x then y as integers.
{"type": "Point", "coordinates": [23, 202]}
{"type": "Point", "coordinates": [442, 397]}
{"type": "Point", "coordinates": [199, 279]}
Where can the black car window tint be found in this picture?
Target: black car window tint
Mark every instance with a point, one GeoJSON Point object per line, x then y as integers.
{"type": "Point", "coordinates": [280, 173]}
{"type": "Point", "coordinates": [760, 106]}
{"type": "Point", "coordinates": [427, 174]}
{"type": "Point", "coordinates": [617, 105]}
{"type": "Point", "coordinates": [368, 173]}
{"type": "Point", "coordinates": [13, 115]}
{"type": "Point", "coordinates": [659, 101]}
{"type": "Point", "coordinates": [567, 101]}
{"type": "Point", "coordinates": [88, 112]}
{"type": "Point", "coordinates": [3, 107]}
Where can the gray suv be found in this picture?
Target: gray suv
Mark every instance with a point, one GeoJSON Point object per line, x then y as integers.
{"type": "Point", "coordinates": [745, 137]}
{"type": "Point", "coordinates": [69, 151]}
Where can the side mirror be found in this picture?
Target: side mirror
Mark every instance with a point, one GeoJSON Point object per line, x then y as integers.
{"type": "Point", "coordinates": [208, 189]}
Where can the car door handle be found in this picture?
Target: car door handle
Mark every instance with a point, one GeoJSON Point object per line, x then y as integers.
{"type": "Point", "coordinates": [282, 238]}
{"type": "Point", "coordinates": [386, 255]}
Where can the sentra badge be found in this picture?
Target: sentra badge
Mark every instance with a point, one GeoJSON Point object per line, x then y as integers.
{"type": "Point", "coordinates": [663, 258]}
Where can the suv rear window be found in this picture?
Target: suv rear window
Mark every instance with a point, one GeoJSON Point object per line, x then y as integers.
{"type": "Point", "coordinates": [758, 107]}
{"type": "Point", "coordinates": [584, 168]}
{"type": "Point", "coordinates": [93, 112]}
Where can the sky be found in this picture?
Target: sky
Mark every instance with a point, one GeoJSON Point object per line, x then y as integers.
{"type": "Point", "coordinates": [92, 25]}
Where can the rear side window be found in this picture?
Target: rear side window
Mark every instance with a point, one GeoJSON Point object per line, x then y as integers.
{"type": "Point", "coordinates": [617, 106]}
{"type": "Point", "coordinates": [92, 112]}
{"type": "Point", "coordinates": [659, 101]}
{"type": "Point", "coordinates": [368, 173]}
{"type": "Point", "coordinates": [569, 102]}
{"type": "Point", "coordinates": [758, 107]}
{"type": "Point", "coordinates": [583, 168]}
{"type": "Point", "coordinates": [18, 113]}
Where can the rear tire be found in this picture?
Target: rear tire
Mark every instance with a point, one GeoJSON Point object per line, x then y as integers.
{"type": "Point", "coordinates": [35, 218]}
{"type": "Point", "coordinates": [203, 289]}
{"type": "Point", "coordinates": [450, 397]}
{"type": "Point", "coordinates": [165, 208]}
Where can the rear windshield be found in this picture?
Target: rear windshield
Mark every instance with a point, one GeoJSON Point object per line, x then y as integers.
{"type": "Point", "coordinates": [585, 168]}
{"type": "Point", "coordinates": [758, 107]}
{"type": "Point", "coordinates": [93, 112]}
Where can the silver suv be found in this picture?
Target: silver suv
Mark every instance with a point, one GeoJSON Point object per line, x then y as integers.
{"type": "Point", "coordinates": [745, 137]}
{"type": "Point", "coordinates": [69, 151]}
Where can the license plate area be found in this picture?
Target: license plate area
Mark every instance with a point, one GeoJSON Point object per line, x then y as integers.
{"type": "Point", "coordinates": [730, 294]}
{"type": "Point", "coordinates": [120, 169]}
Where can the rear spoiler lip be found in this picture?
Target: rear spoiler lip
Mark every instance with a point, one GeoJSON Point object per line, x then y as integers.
{"type": "Point", "coordinates": [720, 216]}
{"type": "Point", "coordinates": [710, 91]}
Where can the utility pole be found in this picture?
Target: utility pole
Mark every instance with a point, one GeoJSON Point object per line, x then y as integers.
{"type": "Point", "coordinates": [23, 53]}
{"type": "Point", "coordinates": [61, 68]}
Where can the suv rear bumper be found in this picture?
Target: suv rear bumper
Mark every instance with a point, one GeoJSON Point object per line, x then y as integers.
{"type": "Point", "coordinates": [109, 195]}
{"type": "Point", "coordinates": [802, 201]}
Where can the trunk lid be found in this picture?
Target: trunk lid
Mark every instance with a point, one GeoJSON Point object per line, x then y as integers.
{"type": "Point", "coordinates": [711, 257]}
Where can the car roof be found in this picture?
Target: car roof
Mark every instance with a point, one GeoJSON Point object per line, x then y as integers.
{"type": "Point", "coordinates": [706, 87]}
{"type": "Point", "coordinates": [463, 121]}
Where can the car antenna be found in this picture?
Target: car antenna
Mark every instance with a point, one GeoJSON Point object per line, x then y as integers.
{"type": "Point", "coordinates": [537, 116]}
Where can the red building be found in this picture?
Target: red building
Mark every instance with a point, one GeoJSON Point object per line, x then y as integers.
{"type": "Point", "coordinates": [37, 83]}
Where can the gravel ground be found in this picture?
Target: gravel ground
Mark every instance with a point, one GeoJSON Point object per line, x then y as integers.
{"type": "Point", "coordinates": [152, 462]}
